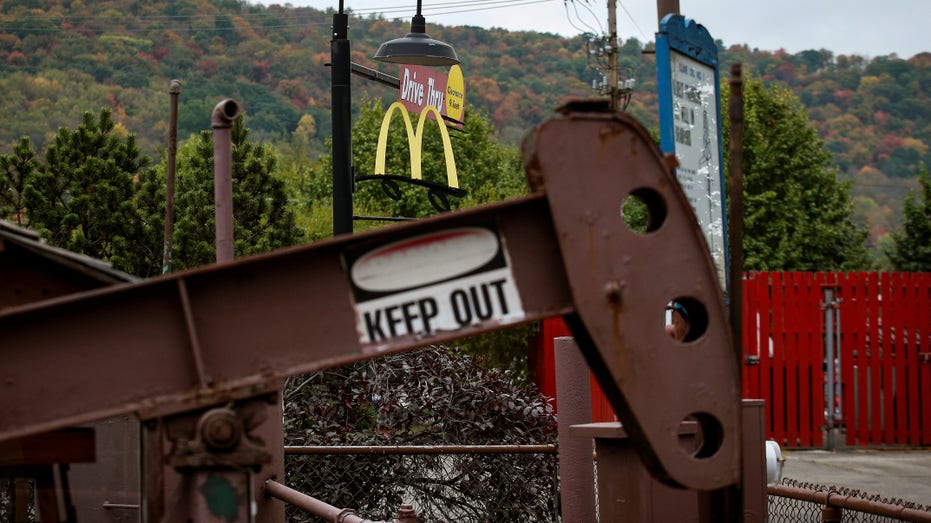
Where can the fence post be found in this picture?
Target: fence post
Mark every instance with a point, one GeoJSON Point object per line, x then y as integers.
{"type": "Point", "coordinates": [829, 305]}
{"type": "Point", "coordinates": [576, 469]}
{"type": "Point", "coordinates": [831, 514]}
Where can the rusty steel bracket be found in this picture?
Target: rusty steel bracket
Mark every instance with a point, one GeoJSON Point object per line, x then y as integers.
{"type": "Point", "coordinates": [193, 340]}
{"type": "Point", "coordinates": [622, 277]}
{"type": "Point", "coordinates": [221, 438]}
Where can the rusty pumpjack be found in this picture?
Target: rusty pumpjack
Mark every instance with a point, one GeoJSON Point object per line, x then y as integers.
{"type": "Point", "coordinates": [200, 356]}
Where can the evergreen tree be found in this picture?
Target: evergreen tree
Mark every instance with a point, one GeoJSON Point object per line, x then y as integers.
{"type": "Point", "coordinates": [797, 212]}
{"type": "Point", "coordinates": [81, 199]}
{"type": "Point", "coordinates": [262, 220]}
{"type": "Point", "coordinates": [911, 249]}
{"type": "Point", "coordinates": [16, 171]}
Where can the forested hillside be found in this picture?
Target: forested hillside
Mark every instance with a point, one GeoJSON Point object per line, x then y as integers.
{"type": "Point", "coordinates": [59, 58]}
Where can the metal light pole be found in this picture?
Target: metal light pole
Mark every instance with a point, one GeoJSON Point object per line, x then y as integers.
{"type": "Point", "coordinates": [341, 68]}
{"type": "Point", "coordinates": [415, 48]}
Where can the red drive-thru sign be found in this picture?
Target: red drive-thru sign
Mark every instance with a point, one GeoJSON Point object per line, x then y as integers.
{"type": "Point", "coordinates": [422, 87]}
{"type": "Point", "coordinates": [440, 282]}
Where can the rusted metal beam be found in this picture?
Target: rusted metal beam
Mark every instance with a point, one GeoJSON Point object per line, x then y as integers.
{"type": "Point", "coordinates": [71, 445]}
{"type": "Point", "coordinates": [209, 335]}
{"type": "Point", "coordinates": [185, 341]}
{"type": "Point", "coordinates": [622, 277]}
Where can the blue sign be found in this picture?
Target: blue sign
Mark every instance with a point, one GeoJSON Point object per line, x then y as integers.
{"type": "Point", "coordinates": [690, 124]}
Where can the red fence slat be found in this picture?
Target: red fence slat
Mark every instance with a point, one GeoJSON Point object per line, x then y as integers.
{"type": "Point", "coordinates": [751, 349]}
{"type": "Point", "coordinates": [778, 359]}
{"type": "Point", "coordinates": [913, 394]}
{"type": "Point", "coordinates": [877, 350]}
{"type": "Point", "coordinates": [924, 346]}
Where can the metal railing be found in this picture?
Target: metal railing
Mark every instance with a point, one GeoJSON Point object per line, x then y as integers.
{"type": "Point", "coordinates": [795, 501]}
{"type": "Point", "coordinates": [463, 483]}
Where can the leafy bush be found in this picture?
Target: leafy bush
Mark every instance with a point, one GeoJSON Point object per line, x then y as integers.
{"type": "Point", "coordinates": [432, 396]}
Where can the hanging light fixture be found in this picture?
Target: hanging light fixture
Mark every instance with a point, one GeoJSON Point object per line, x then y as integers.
{"type": "Point", "coordinates": [416, 47]}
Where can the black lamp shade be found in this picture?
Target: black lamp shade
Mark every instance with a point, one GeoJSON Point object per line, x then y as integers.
{"type": "Point", "coordinates": [417, 48]}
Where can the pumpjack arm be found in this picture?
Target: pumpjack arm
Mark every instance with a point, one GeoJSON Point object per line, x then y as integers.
{"type": "Point", "coordinates": [208, 336]}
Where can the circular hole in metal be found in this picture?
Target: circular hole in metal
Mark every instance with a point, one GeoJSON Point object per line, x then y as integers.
{"type": "Point", "coordinates": [686, 319]}
{"type": "Point", "coordinates": [643, 210]}
{"type": "Point", "coordinates": [701, 435]}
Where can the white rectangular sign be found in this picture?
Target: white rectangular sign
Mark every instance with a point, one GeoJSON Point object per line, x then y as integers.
{"type": "Point", "coordinates": [695, 122]}
{"type": "Point", "coordinates": [436, 283]}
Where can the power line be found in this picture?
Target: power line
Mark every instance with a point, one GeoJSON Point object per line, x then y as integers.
{"type": "Point", "coordinates": [435, 9]}
{"type": "Point", "coordinates": [440, 8]}
{"type": "Point", "coordinates": [511, 3]}
{"type": "Point", "coordinates": [591, 29]}
{"type": "Point", "coordinates": [631, 18]}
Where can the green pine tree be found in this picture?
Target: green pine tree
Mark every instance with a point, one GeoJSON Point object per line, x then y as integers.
{"type": "Point", "coordinates": [262, 220]}
{"type": "Point", "coordinates": [16, 171]}
{"type": "Point", "coordinates": [81, 199]}
{"type": "Point", "coordinates": [911, 248]}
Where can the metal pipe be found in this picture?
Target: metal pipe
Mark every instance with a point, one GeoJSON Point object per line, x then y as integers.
{"type": "Point", "coordinates": [128, 506]}
{"type": "Point", "coordinates": [376, 76]}
{"type": "Point", "coordinates": [312, 505]}
{"type": "Point", "coordinates": [174, 89]}
{"type": "Point", "coordinates": [422, 449]}
{"type": "Point", "coordinates": [835, 499]}
{"type": "Point", "coordinates": [223, 115]}
{"type": "Point", "coordinates": [340, 62]}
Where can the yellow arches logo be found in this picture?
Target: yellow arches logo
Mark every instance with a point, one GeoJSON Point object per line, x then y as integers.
{"type": "Point", "coordinates": [415, 142]}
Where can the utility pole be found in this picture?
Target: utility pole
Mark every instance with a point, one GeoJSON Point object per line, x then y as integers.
{"type": "Point", "coordinates": [613, 87]}
{"type": "Point", "coordinates": [665, 7]}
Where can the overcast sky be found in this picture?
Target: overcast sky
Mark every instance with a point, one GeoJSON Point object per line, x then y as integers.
{"type": "Point", "coordinates": [865, 27]}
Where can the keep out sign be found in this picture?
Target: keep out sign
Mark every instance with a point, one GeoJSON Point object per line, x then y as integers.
{"type": "Point", "coordinates": [435, 283]}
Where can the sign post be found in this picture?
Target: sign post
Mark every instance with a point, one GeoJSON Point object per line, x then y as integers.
{"type": "Point", "coordinates": [690, 125]}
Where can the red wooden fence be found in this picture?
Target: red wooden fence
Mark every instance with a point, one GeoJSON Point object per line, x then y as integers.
{"type": "Point", "coordinates": [882, 329]}
{"type": "Point", "coordinates": [882, 332]}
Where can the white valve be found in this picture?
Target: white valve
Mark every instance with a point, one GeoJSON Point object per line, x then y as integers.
{"type": "Point", "coordinates": [775, 461]}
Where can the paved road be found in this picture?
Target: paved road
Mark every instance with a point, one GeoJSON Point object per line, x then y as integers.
{"type": "Point", "coordinates": [904, 474]}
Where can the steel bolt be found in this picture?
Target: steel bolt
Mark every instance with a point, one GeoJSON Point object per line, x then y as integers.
{"type": "Point", "coordinates": [220, 430]}
{"type": "Point", "coordinates": [613, 291]}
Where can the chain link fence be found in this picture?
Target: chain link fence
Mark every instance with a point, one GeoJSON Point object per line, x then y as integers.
{"type": "Point", "coordinates": [800, 502]}
{"type": "Point", "coordinates": [455, 483]}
